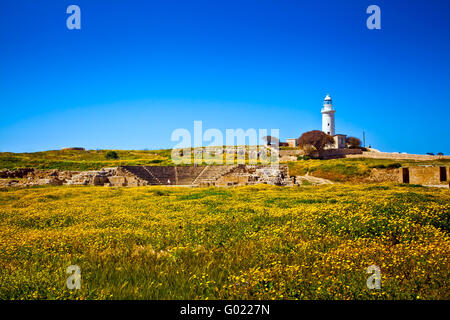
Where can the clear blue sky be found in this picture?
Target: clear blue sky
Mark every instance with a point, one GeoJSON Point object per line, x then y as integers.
{"type": "Point", "coordinates": [137, 70]}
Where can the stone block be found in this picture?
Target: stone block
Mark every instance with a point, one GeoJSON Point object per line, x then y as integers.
{"type": "Point", "coordinates": [117, 181]}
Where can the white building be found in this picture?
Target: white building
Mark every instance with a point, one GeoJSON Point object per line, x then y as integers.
{"type": "Point", "coordinates": [328, 124]}
{"type": "Point", "coordinates": [340, 141]}
{"type": "Point", "coordinates": [328, 116]}
{"type": "Point", "coordinates": [292, 142]}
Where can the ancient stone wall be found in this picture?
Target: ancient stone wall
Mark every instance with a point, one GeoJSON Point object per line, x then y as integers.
{"type": "Point", "coordinates": [291, 155]}
{"type": "Point", "coordinates": [287, 155]}
{"type": "Point", "coordinates": [30, 177]}
{"type": "Point", "coordinates": [396, 156]}
{"type": "Point", "coordinates": [385, 175]}
{"type": "Point", "coordinates": [337, 153]}
{"type": "Point", "coordinates": [254, 174]}
{"type": "Point", "coordinates": [19, 173]}
{"type": "Point", "coordinates": [295, 152]}
{"type": "Point", "coordinates": [424, 175]}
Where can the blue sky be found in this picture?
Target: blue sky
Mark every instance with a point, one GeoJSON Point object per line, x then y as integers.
{"type": "Point", "coordinates": [138, 70]}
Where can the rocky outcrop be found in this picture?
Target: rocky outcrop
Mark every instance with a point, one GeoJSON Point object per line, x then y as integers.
{"type": "Point", "coordinates": [95, 178]}
{"type": "Point", "coordinates": [31, 177]}
{"type": "Point", "coordinates": [256, 174]}
{"type": "Point", "coordinates": [18, 173]}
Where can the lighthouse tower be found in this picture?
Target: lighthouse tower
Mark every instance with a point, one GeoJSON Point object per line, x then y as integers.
{"type": "Point", "coordinates": [328, 116]}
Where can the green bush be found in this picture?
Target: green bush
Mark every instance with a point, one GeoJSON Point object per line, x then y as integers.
{"type": "Point", "coordinates": [111, 155]}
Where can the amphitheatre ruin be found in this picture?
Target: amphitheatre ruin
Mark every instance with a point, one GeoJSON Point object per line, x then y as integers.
{"type": "Point", "coordinates": [226, 175]}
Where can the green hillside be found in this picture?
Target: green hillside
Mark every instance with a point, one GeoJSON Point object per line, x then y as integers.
{"type": "Point", "coordinates": [80, 160]}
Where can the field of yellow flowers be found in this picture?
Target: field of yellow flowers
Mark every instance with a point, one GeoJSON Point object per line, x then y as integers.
{"type": "Point", "coordinates": [255, 242]}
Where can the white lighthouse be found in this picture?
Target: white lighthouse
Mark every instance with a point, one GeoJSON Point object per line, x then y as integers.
{"type": "Point", "coordinates": [328, 116]}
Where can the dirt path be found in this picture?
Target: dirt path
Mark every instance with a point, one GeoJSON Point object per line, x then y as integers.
{"type": "Point", "coordinates": [312, 180]}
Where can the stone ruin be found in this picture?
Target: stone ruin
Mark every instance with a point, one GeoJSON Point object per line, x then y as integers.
{"type": "Point", "coordinates": [427, 175]}
{"type": "Point", "coordinates": [219, 175]}
{"type": "Point", "coordinates": [226, 175]}
{"type": "Point", "coordinates": [31, 177]}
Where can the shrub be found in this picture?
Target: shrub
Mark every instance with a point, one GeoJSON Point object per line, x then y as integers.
{"type": "Point", "coordinates": [314, 140]}
{"type": "Point", "coordinates": [353, 142]}
{"type": "Point", "coordinates": [111, 155]}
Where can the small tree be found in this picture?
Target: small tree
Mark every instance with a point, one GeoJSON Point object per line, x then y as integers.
{"type": "Point", "coordinates": [314, 140]}
{"type": "Point", "coordinates": [111, 155]}
{"type": "Point", "coordinates": [353, 142]}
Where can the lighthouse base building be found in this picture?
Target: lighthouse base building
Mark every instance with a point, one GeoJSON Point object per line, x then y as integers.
{"type": "Point", "coordinates": [328, 126]}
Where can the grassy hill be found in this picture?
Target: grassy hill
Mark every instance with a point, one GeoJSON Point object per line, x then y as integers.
{"type": "Point", "coordinates": [80, 160]}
